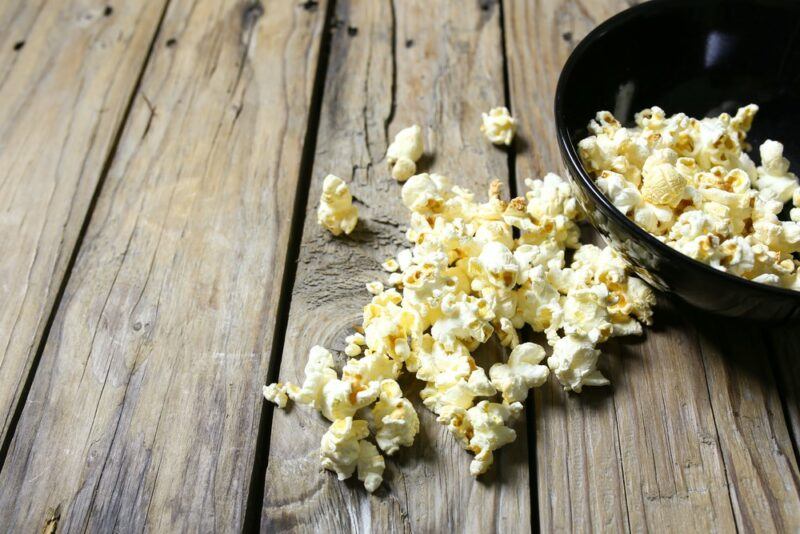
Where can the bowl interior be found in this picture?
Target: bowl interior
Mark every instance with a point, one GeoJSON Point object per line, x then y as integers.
{"type": "Point", "coordinates": [700, 58]}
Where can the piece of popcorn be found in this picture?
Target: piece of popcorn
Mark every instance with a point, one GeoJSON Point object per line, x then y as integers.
{"type": "Point", "coordinates": [370, 370]}
{"type": "Point", "coordinates": [388, 327]}
{"type": "Point", "coordinates": [354, 344]}
{"type": "Point", "coordinates": [574, 362]}
{"type": "Point", "coordinates": [522, 372]}
{"type": "Point", "coordinates": [342, 398]}
{"type": "Point", "coordinates": [370, 465]}
{"type": "Point", "coordinates": [375, 287]}
{"type": "Point", "coordinates": [426, 193]}
{"type": "Point", "coordinates": [663, 185]}
{"type": "Point", "coordinates": [465, 319]}
{"type": "Point", "coordinates": [390, 265]}
{"type": "Point", "coordinates": [774, 178]}
{"type": "Point", "coordinates": [276, 394]}
{"type": "Point", "coordinates": [622, 193]}
{"type": "Point", "coordinates": [404, 152]}
{"type": "Point", "coordinates": [489, 424]}
{"type": "Point", "coordinates": [336, 211]}
{"type": "Point", "coordinates": [318, 372]}
{"type": "Point", "coordinates": [396, 421]}
{"type": "Point", "coordinates": [498, 126]}
{"type": "Point", "coordinates": [340, 448]}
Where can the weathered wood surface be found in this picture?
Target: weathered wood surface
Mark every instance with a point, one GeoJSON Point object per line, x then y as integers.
{"type": "Point", "coordinates": [144, 410]}
{"type": "Point", "coordinates": [63, 98]}
{"type": "Point", "coordinates": [439, 65]}
{"type": "Point", "coordinates": [662, 448]}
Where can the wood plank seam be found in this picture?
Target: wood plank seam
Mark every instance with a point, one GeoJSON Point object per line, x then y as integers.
{"type": "Point", "coordinates": [112, 152]}
{"type": "Point", "coordinates": [530, 417]}
{"type": "Point", "coordinates": [255, 497]}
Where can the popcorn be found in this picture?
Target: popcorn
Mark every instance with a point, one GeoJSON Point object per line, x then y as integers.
{"type": "Point", "coordinates": [475, 268]}
{"type": "Point", "coordinates": [395, 419]}
{"type": "Point", "coordinates": [376, 288]}
{"type": "Point", "coordinates": [521, 373]}
{"type": "Point", "coordinates": [498, 126]}
{"type": "Point", "coordinates": [404, 152]}
{"type": "Point", "coordinates": [488, 422]}
{"type": "Point", "coordinates": [276, 393]}
{"type": "Point", "coordinates": [574, 362]}
{"type": "Point", "coordinates": [336, 211]}
{"type": "Point", "coordinates": [342, 451]}
{"type": "Point", "coordinates": [690, 183]}
{"type": "Point", "coordinates": [370, 465]}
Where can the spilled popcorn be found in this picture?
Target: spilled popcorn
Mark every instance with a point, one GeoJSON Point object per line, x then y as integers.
{"type": "Point", "coordinates": [404, 152]}
{"type": "Point", "coordinates": [336, 211]}
{"type": "Point", "coordinates": [692, 185]}
{"type": "Point", "coordinates": [474, 270]}
{"type": "Point", "coordinates": [499, 126]}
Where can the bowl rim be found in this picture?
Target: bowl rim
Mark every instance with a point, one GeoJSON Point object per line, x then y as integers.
{"type": "Point", "coordinates": [572, 158]}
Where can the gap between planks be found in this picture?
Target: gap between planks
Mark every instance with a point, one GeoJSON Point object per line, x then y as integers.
{"type": "Point", "coordinates": [255, 497]}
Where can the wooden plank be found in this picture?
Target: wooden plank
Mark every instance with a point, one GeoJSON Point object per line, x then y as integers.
{"type": "Point", "coordinates": [144, 411]}
{"type": "Point", "coordinates": [63, 97]}
{"type": "Point", "coordinates": [784, 345]}
{"type": "Point", "coordinates": [661, 449]}
{"type": "Point", "coordinates": [438, 64]}
{"type": "Point", "coordinates": [759, 456]}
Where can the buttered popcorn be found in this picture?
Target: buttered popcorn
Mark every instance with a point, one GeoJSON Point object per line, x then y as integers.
{"type": "Point", "coordinates": [474, 270]}
{"type": "Point", "coordinates": [336, 211]}
{"type": "Point", "coordinates": [404, 152]}
{"type": "Point", "coordinates": [499, 126]}
{"type": "Point", "coordinates": [691, 184]}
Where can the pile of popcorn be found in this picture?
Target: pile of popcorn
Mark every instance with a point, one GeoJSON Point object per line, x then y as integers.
{"type": "Point", "coordinates": [474, 270]}
{"type": "Point", "coordinates": [691, 184]}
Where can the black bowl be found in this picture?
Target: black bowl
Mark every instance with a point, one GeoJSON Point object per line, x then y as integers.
{"type": "Point", "coordinates": [701, 58]}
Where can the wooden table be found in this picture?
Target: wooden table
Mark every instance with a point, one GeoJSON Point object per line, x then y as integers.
{"type": "Point", "coordinates": [160, 164]}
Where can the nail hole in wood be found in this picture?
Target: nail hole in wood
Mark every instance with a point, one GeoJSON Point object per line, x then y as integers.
{"type": "Point", "coordinates": [108, 11]}
{"type": "Point", "coordinates": [171, 42]}
{"type": "Point", "coordinates": [18, 45]}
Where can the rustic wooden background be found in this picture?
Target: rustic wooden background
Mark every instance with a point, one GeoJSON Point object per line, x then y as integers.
{"type": "Point", "coordinates": [157, 162]}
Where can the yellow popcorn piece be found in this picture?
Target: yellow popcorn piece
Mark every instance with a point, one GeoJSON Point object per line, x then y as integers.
{"type": "Point", "coordinates": [343, 450]}
{"type": "Point", "coordinates": [489, 422]}
{"type": "Point", "coordinates": [404, 152]}
{"type": "Point", "coordinates": [370, 465]}
{"type": "Point", "coordinates": [276, 394]}
{"type": "Point", "coordinates": [498, 126]}
{"type": "Point", "coordinates": [521, 373]}
{"type": "Point", "coordinates": [336, 211]}
{"type": "Point", "coordinates": [574, 362]}
{"type": "Point", "coordinates": [396, 421]}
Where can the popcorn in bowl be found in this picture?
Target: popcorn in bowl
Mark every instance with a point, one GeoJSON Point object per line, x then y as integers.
{"type": "Point", "coordinates": [691, 183]}
{"type": "Point", "coordinates": [473, 270]}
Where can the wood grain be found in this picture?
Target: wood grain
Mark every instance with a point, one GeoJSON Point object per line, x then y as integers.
{"type": "Point", "coordinates": [662, 448]}
{"type": "Point", "coordinates": [63, 97]}
{"type": "Point", "coordinates": [438, 64]}
{"type": "Point", "coordinates": [759, 455]}
{"type": "Point", "coordinates": [144, 411]}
